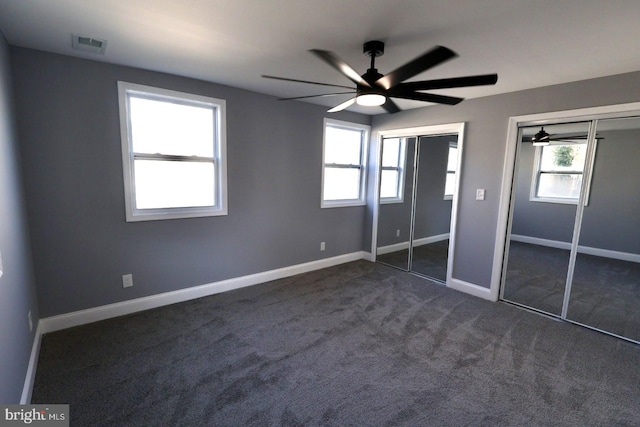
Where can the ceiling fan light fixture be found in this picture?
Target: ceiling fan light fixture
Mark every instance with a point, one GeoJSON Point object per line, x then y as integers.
{"type": "Point", "coordinates": [540, 143]}
{"type": "Point", "coordinates": [541, 138]}
{"type": "Point", "coordinates": [371, 100]}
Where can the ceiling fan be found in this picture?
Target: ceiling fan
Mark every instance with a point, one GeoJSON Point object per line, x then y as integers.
{"type": "Point", "coordinates": [542, 137]}
{"type": "Point", "coordinates": [373, 88]}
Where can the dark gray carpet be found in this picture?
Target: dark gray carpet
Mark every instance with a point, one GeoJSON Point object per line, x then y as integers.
{"type": "Point", "coordinates": [536, 276]}
{"type": "Point", "coordinates": [360, 344]}
{"type": "Point", "coordinates": [605, 293]}
{"type": "Point", "coordinates": [429, 260]}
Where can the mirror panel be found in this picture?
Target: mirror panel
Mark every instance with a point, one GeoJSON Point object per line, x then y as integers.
{"type": "Point", "coordinates": [437, 161]}
{"type": "Point", "coordinates": [396, 193]}
{"type": "Point", "coordinates": [605, 291]}
{"type": "Point", "coordinates": [547, 182]}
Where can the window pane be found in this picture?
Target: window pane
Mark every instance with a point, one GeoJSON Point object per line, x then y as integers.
{"type": "Point", "coordinates": [389, 184]}
{"type": "Point", "coordinates": [169, 128]}
{"type": "Point", "coordinates": [390, 152]}
{"type": "Point", "coordinates": [556, 185]}
{"type": "Point", "coordinates": [563, 158]}
{"type": "Point", "coordinates": [341, 184]}
{"type": "Point", "coordinates": [342, 146]}
{"type": "Point", "coordinates": [450, 184]}
{"type": "Point", "coordinates": [166, 184]}
{"type": "Point", "coordinates": [452, 161]}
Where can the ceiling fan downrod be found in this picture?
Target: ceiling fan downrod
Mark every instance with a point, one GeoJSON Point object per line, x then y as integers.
{"type": "Point", "coordinates": [373, 49]}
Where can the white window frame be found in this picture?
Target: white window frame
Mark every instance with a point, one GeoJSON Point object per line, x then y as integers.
{"type": "Point", "coordinates": [448, 172]}
{"type": "Point", "coordinates": [401, 169]}
{"type": "Point", "coordinates": [537, 164]}
{"type": "Point", "coordinates": [218, 106]}
{"type": "Point", "coordinates": [365, 131]}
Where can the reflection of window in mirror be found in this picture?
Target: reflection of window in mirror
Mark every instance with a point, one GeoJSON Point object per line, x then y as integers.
{"type": "Point", "coordinates": [452, 165]}
{"type": "Point", "coordinates": [558, 171]}
{"type": "Point", "coordinates": [392, 174]}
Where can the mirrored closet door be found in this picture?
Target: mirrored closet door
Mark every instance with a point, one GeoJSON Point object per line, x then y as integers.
{"type": "Point", "coordinates": [417, 185]}
{"type": "Point", "coordinates": [605, 290]}
{"type": "Point", "coordinates": [546, 189]}
{"type": "Point", "coordinates": [573, 247]}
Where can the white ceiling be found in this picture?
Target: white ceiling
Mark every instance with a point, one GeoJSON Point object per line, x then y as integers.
{"type": "Point", "coordinates": [529, 43]}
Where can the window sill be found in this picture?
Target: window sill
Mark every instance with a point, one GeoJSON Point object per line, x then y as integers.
{"type": "Point", "coordinates": [158, 215]}
{"type": "Point", "coordinates": [342, 204]}
{"type": "Point", "coordinates": [554, 200]}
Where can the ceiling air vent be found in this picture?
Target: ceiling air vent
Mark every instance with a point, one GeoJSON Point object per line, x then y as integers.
{"type": "Point", "coordinates": [88, 44]}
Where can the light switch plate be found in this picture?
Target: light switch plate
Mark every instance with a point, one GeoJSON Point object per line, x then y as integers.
{"type": "Point", "coordinates": [127, 280]}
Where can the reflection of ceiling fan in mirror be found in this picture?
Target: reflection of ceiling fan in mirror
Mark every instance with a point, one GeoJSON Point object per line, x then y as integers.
{"type": "Point", "coordinates": [373, 88]}
{"type": "Point", "coordinates": [544, 138]}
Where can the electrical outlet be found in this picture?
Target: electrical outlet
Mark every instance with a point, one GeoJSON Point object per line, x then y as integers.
{"type": "Point", "coordinates": [127, 280]}
{"type": "Point", "coordinates": [397, 233]}
{"type": "Point", "coordinates": [322, 246]}
{"type": "Point", "coordinates": [480, 194]}
{"type": "Point", "coordinates": [30, 321]}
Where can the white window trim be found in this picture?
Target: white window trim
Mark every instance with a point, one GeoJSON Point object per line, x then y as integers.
{"type": "Point", "coordinates": [220, 155]}
{"type": "Point", "coordinates": [402, 167]}
{"type": "Point", "coordinates": [533, 194]}
{"type": "Point", "coordinates": [365, 129]}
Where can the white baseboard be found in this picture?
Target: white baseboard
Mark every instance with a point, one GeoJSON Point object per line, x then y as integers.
{"type": "Point", "coordinates": [82, 317]}
{"type": "Point", "coordinates": [392, 248]}
{"type": "Point", "coordinates": [417, 242]}
{"type": "Point", "coordinates": [587, 250]}
{"type": "Point", "coordinates": [27, 389]}
{"type": "Point", "coordinates": [431, 239]}
{"type": "Point", "coordinates": [542, 242]}
{"type": "Point", "coordinates": [470, 288]}
{"type": "Point", "coordinates": [367, 256]}
{"type": "Point", "coordinates": [605, 253]}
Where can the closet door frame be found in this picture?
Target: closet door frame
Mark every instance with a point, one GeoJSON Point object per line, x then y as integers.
{"type": "Point", "coordinates": [432, 130]}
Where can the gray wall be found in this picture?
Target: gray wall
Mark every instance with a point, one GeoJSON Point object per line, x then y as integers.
{"type": "Point", "coordinates": [610, 219]}
{"type": "Point", "coordinates": [17, 290]}
{"type": "Point", "coordinates": [484, 152]}
{"type": "Point", "coordinates": [70, 139]}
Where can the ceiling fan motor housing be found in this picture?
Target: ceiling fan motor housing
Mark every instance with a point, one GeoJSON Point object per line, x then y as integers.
{"type": "Point", "coordinates": [373, 48]}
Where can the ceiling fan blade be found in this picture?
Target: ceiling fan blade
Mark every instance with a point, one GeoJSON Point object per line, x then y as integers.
{"type": "Point", "coordinates": [336, 62]}
{"type": "Point", "coordinates": [305, 81]}
{"type": "Point", "coordinates": [342, 106]}
{"type": "Point", "coordinates": [390, 106]}
{"type": "Point", "coordinates": [435, 56]}
{"type": "Point", "coordinates": [480, 80]}
{"type": "Point", "coordinates": [568, 136]}
{"type": "Point", "coordinates": [427, 97]}
{"type": "Point", "coordinates": [316, 96]}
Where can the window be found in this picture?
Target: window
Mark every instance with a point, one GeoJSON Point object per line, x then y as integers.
{"type": "Point", "coordinates": [558, 172]}
{"type": "Point", "coordinates": [392, 170]}
{"type": "Point", "coordinates": [452, 167]}
{"type": "Point", "coordinates": [173, 153]}
{"type": "Point", "coordinates": [343, 172]}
